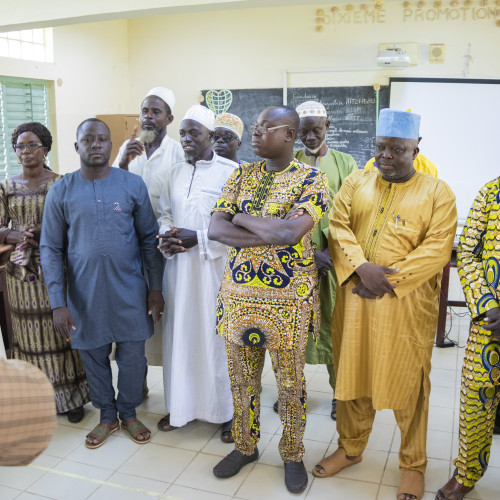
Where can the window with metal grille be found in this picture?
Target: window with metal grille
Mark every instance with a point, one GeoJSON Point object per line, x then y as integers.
{"type": "Point", "coordinates": [21, 100]}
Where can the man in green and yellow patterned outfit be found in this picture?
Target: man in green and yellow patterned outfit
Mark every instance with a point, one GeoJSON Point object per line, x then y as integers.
{"type": "Point", "coordinates": [479, 270]}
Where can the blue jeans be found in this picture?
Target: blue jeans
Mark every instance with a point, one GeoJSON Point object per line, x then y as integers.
{"type": "Point", "coordinates": [131, 363]}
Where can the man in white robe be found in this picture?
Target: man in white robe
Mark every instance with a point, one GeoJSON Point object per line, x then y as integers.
{"type": "Point", "coordinates": [195, 373]}
{"type": "Point", "coordinates": [150, 153]}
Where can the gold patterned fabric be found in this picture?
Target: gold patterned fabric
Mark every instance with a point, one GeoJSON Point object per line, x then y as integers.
{"type": "Point", "coordinates": [245, 369]}
{"type": "Point", "coordinates": [381, 347]}
{"type": "Point", "coordinates": [269, 293]}
{"type": "Point", "coordinates": [34, 339]}
{"type": "Point", "coordinates": [479, 271]}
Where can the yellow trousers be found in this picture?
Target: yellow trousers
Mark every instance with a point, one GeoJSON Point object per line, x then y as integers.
{"type": "Point", "coordinates": [245, 365]}
{"type": "Point", "coordinates": [355, 420]}
{"type": "Point", "coordinates": [479, 398]}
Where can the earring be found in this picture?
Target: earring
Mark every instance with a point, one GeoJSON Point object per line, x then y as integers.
{"type": "Point", "coordinates": [19, 161]}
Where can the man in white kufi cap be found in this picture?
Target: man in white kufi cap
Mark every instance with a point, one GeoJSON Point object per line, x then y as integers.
{"type": "Point", "coordinates": [195, 373]}
{"type": "Point", "coordinates": [391, 233]}
{"type": "Point", "coordinates": [314, 125]}
{"type": "Point", "coordinates": [150, 153]}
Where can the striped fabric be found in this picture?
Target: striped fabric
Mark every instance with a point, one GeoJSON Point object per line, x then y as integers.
{"type": "Point", "coordinates": [27, 412]}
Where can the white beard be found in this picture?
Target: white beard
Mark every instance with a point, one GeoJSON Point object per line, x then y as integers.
{"type": "Point", "coordinates": [147, 136]}
{"type": "Point", "coordinates": [314, 151]}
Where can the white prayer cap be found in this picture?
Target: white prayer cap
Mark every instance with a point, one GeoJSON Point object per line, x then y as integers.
{"type": "Point", "coordinates": [202, 115]}
{"type": "Point", "coordinates": [166, 95]}
{"type": "Point", "coordinates": [310, 108]}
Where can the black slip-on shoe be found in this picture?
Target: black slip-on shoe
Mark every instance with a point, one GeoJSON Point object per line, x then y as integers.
{"type": "Point", "coordinates": [230, 465]}
{"type": "Point", "coordinates": [295, 477]}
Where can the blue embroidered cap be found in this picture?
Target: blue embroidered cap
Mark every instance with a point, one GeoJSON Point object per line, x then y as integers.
{"type": "Point", "coordinates": [395, 123]}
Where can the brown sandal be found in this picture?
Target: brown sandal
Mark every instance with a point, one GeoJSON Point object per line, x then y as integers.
{"type": "Point", "coordinates": [101, 432]}
{"type": "Point", "coordinates": [135, 428]}
{"type": "Point", "coordinates": [412, 483]}
{"type": "Point", "coordinates": [333, 464]}
{"type": "Point", "coordinates": [454, 490]}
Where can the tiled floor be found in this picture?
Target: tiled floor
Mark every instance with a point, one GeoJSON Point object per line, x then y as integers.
{"type": "Point", "coordinates": [178, 465]}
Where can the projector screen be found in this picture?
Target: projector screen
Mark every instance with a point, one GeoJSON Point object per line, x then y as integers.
{"type": "Point", "coordinates": [460, 129]}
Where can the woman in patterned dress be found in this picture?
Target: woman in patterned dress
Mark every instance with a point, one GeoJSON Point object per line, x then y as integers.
{"type": "Point", "coordinates": [22, 199]}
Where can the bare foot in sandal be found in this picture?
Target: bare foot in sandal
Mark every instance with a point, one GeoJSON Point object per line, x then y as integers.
{"type": "Point", "coordinates": [453, 490]}
{"type": "Point", "coordinates": [99, 434]}
{"type": "Point", "coordinates": [333, 464]}
{"type": "Point", "coordinates": [139, 433]}
{"type": "Point", "coordinates": [411, 486]}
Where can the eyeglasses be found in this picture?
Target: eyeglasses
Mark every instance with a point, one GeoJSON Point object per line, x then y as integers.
{"type": "Point", "coordinates": [225, 137]}
{"type": "Point", "coordinates": [31, 146]}
{"type": "Point", "coordinates": [264, 129]}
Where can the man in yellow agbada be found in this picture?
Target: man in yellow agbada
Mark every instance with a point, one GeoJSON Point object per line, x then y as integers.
{"type": "Point", "coordinates": [391, 233]}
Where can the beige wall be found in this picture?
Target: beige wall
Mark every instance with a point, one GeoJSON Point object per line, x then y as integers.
{"type": "Point", "coordinates": [107, 67]}
{"type": "Point", "coordinates": [91, 60]}
{"type": "Point", "coordinates": [250, 49]}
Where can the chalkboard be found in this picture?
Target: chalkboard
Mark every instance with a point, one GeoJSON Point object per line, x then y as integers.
{"type": "Point", "coordinates": [351, 110]}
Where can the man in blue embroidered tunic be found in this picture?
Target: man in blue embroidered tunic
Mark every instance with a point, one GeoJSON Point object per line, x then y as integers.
{"type": "Point", "coordinates": [98, 230]}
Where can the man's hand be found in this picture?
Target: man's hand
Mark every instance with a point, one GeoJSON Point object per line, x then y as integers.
{"type": "Point", "coordinates": [177, 240]}
{"type": "Point", "coordinates": [374, 279]}
{"type": "Point", "coordinates": [363, 292]}
{"type": "Point", "coordinates": [63, 321]}
{"type": "Point", "coordinates": [323, 262]}
{"type": "Point", "coordinates": [293, 213]}
{"type": "Point", "coordinates": [170, 245]}
{"type": "Point", "coordinates": [187, 237]}
{"type": "Point", "coordinates": [156, 304]}
{"type": "Point", "coordinates": [492, 319]}
{"type": "Point", "coordinates": [133, 149]}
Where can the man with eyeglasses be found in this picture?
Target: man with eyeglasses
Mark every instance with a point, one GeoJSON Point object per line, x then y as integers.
{"type": "Point", "coordinates": [227, 136]}
{"type": "Point", "coordinates": [98, 232]}
{"type": "Point", "coordinates": [314, 125]}
{"type": "Point", "coordinates": [268, 299]}
{"type": "Point", "coordinates": [195, 375]}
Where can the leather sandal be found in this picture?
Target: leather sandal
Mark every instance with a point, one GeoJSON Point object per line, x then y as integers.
{"type": "Point", "coordinates": [164, 424]}
{"type": "Point", "coordinates": [135, 428]}
{"type": "Point", "coordinates": [333, 464]}
{"type": "Point", "coordinates": [333, 413]}
{"type": "Point", "coordinates": [454, 490]}
{"type": "Point", "coordinates": [101, 432]}
{"type": "Point", "coordinates": [412, 483]}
